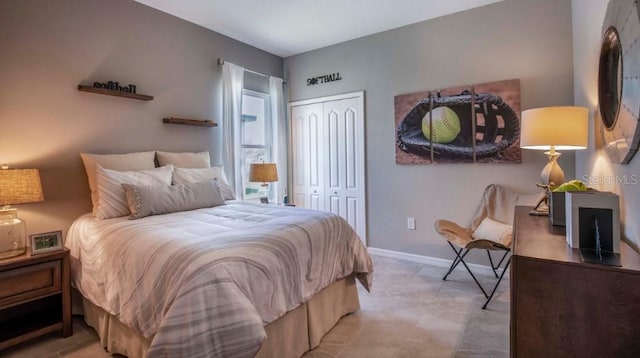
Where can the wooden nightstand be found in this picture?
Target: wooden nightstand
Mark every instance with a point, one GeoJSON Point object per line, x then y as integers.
{"type": "Point", "coordinates": [35, 297]}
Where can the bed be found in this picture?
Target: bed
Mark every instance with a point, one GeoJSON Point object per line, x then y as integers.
{"type": "Point", "coordinates": [236, 280]}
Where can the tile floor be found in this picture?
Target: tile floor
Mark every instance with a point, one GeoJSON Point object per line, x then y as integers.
{"type": "Point", "coordinates": [410, 312]}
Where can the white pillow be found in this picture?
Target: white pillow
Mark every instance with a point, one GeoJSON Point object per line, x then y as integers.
{"type": "Point", "coordinates": [184, 176]}
{"type": "Point", "coordinates": [145, 200]}
{"type": "Point", "coordinates": [184, 160]}
{"type": "Point", "coordinates": [120, 162]}
{"type": "Point", "coordinates": [112, 201]}
{"type": "Point", "coordinates": [492, 230]}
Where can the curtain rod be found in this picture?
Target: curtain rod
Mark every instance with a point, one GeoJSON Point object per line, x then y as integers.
{"type": "Point", "coordinates": [221, 62]}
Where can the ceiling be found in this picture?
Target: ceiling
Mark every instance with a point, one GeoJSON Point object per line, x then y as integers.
{"type": "Point", "coordinates": [290, 27]}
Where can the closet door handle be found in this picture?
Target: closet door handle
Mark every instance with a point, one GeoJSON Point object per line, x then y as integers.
{"type": "Point", "coordinates": [335, 193]}
{"type": "Point", "coordinates": [315, 191]}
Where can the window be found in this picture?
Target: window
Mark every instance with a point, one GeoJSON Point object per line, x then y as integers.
{"type": "Point", "coordinates": [256, 139]}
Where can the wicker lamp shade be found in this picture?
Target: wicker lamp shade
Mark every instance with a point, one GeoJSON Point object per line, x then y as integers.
{"type": "Point", "coordinates": [263, 172]}
{"type": "Point", "coordinates": [20, 186]}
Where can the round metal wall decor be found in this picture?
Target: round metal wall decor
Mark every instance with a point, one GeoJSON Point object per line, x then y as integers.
{"type": "Point", "coordinates": [619, 80]}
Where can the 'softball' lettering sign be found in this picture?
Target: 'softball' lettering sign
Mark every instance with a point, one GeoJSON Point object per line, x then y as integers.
{"type": "Point", "coordinates": [324, 78]}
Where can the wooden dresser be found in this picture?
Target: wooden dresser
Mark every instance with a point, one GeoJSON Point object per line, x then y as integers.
{"type": "Point", "coordinates": [563, 307]}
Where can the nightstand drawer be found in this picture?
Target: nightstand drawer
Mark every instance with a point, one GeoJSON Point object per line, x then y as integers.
{"type": "Point", "coordinates": [25, 283]}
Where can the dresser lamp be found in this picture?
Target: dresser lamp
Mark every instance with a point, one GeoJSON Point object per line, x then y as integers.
{"type": "Point", "coordinates": [551, 129]}
{"type": "Point", "coordinates": [265, 173]}
{"type": "Point", "coordinates": [17, 186]}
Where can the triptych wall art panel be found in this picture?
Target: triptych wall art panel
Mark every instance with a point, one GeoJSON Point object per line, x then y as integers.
{"type": "Point", "coordinates": [467, 124]}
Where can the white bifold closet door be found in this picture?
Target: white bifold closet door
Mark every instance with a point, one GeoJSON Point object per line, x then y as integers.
{"type": "Point", "coordinates": [328, 156]}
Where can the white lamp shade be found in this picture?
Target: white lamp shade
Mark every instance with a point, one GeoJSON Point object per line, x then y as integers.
{"type": "Point", "coordinates": [562, 127]}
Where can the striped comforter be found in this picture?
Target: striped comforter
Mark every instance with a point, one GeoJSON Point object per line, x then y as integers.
{"type": "Point", "coordinates": [203, 283]}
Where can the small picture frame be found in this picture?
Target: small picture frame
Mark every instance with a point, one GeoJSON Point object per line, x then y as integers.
{"type": "Point", "coordinates": [46, 242]}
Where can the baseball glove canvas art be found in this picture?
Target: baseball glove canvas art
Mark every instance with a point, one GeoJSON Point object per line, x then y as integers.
{"type": "Point", "coordinates": [478, 123]}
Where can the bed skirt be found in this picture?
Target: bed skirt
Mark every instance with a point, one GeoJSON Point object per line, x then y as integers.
{"type": "Point", "coordinates": [284, 336]}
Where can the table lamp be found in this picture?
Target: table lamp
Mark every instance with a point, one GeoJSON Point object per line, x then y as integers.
{"type": "Point", "coordinates": [265, 173]}
{"type": "Point", "coordinates": [17, 186]}
{"type": "Point", "coordinates": [551, 129]}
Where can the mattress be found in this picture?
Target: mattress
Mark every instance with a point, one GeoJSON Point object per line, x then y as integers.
{"type": "Point", "coordinates": [205, 282]}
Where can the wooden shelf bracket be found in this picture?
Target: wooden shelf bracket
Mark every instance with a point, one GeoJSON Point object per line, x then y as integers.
{"type": "Point", "coordinates": [109, 92]}
{"type": "Point", "coordinates": [190, 122]}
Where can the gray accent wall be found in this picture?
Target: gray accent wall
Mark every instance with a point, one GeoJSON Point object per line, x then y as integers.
{"type": "Point", "coordinates": [593, 165]}
{"type": "Point", "coordinates": [525, 39]}
{"type": "Point", "coordinates": [49, 47]}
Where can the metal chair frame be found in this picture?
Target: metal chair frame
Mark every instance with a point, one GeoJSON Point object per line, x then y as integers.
{"type": "Point", "coordinates": [460, 258]}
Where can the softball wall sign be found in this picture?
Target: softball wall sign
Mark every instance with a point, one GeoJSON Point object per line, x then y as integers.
{"type": "Point", "coordinates": [323, 79]}
{"type": "Point", "coordinates": [444, 122]}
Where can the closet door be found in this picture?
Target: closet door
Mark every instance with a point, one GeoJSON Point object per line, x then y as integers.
{"type": "Point", "coordinates": [308, 157]}
{"type": "Point", "coordinates": [344, 155]}
{"type": "Point", "coordinates": [327, 152]}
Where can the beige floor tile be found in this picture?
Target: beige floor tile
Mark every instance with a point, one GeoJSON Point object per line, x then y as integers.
{"type": "Point", "coordinates": [486, 331]}
{"type": "Point", "coordinates": [85, 350]}
{"type": "Point", "coordinates": [50, 344]}
{"type": "Point", "coordinates": [481, 354]}
{"type": "Point", "coordinates": [374, 351]}
{"type": "Point", "coordinates": [421, 348]}
{"type": "Point", "coordinates": [438, 331]}
{"type": "Point", "coordinates": [347, 330]}
{"type": "Point", "coordinates": [384, 331]}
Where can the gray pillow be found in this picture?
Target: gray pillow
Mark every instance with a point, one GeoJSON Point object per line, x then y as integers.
{"type": "Point", "coordinates": [184, 160]}
{"type": "Point", "coordinates": [145, 200]}
{"type": "Point", "coordinates": [194, 175]}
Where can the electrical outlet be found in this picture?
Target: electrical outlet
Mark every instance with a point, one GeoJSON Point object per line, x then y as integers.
{"type": "Point", "coordinates": [411, 223]}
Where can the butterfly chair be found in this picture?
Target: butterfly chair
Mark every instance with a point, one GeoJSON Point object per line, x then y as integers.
{"type": "Point", "coordinates": [490, 230]}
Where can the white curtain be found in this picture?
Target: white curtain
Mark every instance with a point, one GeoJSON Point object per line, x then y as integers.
{"type": "Point", "coordinates": [279, 120]}
{"type": "Point", "coordinates": [232, 83]}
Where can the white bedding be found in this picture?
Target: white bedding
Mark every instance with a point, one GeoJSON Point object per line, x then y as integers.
{"type": "Point", "coordinates": [203, 283]}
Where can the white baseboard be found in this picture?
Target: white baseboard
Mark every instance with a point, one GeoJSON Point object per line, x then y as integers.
{"type": "Point", "coordinates": [433, 261]}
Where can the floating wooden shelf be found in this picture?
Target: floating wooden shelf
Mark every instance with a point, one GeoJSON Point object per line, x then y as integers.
{"type": "Point", "coordinates": [191, 122]}
{"type": "Point", "coordinates": [141, 97]}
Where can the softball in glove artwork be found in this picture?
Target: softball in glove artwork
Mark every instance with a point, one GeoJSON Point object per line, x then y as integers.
{"type": "Point", "coordinates": [478, 123]}
{"type": "Point", "coordinates": [441, 125]}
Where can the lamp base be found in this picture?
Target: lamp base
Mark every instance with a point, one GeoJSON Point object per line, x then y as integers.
{"type": "Point", "coordinates": [12, 253]}
{"type": "Point", "coordinates": [12, 234]}
{"type": "Point", "coordinates": [552, 174]}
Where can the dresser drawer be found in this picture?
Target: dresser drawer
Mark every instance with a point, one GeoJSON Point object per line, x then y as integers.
{"type": "Point", "coordinates": [25, 283]}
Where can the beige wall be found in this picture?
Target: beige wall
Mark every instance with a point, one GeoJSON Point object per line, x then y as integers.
{"type": "Point", "coordinates": [593, 163]}
{"type": "Point", "coordinates": [525, 39]}
{"type": "Point", "coordinates": [49, 47]}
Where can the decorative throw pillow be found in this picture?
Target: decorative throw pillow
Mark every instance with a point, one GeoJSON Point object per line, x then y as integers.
{"type": "Point", "coordinates": [112, 201]}
{"type": "Point", "coordinates": [145, 200]}
{"type": "Point", "coordinates": [492, 230]}
{"type": "Point", "coordinates": [184, 176]}
{"type": "Point", "coordinates": [184, 160]}
{"type": "Point", "coordinates": [120, 162]}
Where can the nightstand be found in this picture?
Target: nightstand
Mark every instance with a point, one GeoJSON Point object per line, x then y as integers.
{"type": "Point", "coordinates": [35, 297]}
